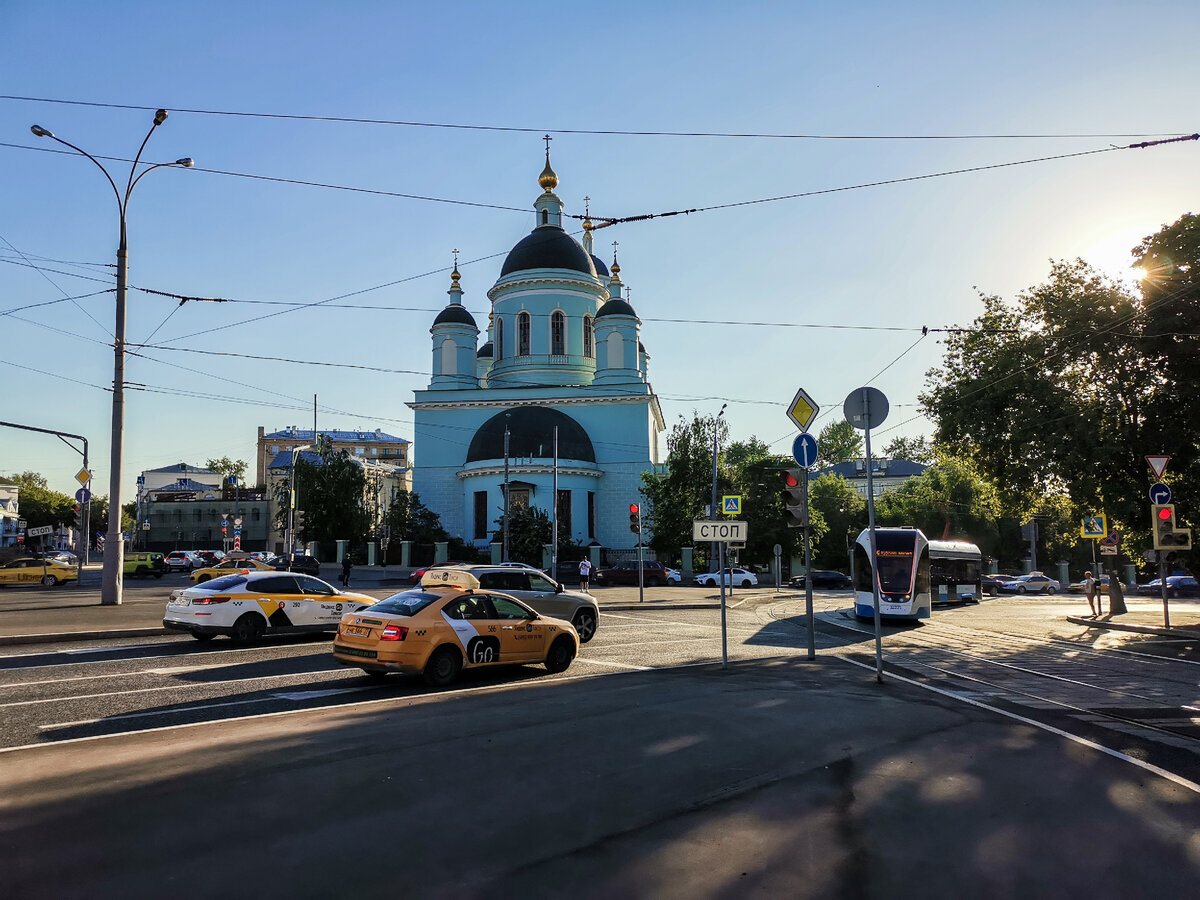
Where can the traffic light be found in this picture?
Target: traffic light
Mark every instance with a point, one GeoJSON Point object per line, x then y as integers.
{"type": "Point", "coordinates": [635, 518]}
{"type": "Point", "coordinates": [794, 502]}
{"type": "Point", "coordinates": [1166, 535]}
{"type": "Point", "coordinates": [299, 526]}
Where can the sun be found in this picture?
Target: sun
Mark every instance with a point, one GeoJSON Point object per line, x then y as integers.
{"type": "Point", "coordinates": [1111, 254]}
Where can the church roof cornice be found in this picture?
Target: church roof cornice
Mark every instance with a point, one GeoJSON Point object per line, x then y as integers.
{"type": "Point", "coordinates": [593, 286]}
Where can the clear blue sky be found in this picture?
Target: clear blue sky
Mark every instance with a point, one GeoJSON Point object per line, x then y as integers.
{"type": "Point", "coordinates": [901, 256]}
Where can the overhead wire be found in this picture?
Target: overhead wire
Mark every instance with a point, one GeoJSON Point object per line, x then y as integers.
{"type": "Point", "coordinates": [66, 296]}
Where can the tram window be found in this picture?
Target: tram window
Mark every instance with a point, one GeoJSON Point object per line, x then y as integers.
{"type": "Point", "coordinates": [922, 580]}
{"type": "Point", "coordinates": [862, 570]}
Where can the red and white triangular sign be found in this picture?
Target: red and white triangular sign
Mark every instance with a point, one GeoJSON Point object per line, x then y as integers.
{"type": "Point", "coordinates": [1158, 464]}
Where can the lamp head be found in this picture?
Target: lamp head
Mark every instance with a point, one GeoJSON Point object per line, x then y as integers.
{"type": "Point", "coordinates": [40, 131]}
{"type": "Point", "coordinates": [187, 162]}
{"type": "Point", "coordinates": [160, 117]}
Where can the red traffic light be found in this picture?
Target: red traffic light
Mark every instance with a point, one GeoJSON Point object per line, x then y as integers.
{"type": "Point", "coordinates": [1165, 513]}
{"type": "Point", "coordinates": [790, 480]}
{"type": "Point", "coordinates": [633, 509]}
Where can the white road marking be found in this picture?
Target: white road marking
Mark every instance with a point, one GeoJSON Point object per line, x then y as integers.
{"type": "Point", "coordinates": [601, 662]}
{"type": "Point", "coordinates": [1149, 767]}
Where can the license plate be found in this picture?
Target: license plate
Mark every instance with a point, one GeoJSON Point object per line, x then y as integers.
{"type": "Point", "coordinates": [354, 629]}
{"type": "Point", "coordinates": [354, 651]}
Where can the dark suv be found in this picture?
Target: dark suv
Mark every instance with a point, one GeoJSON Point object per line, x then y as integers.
{"type": "Point", "coordinates": [823, 578]}
{"type": "Point", "coordinates": [626, 572]}
{"type": "Point", "coordinates": [307, 565]}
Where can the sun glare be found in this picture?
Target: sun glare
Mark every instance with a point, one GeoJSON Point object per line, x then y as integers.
{"type": "Point", "coordinates": [1111, 254]}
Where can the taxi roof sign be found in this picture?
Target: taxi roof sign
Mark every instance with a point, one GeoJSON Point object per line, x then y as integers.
{"type": "Point", "coordinates": [455, 578]}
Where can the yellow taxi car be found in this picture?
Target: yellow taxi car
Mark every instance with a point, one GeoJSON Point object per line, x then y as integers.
{"type": "Point", "coordinates": [248, 605]}
{"type": "Point", "coordinates": [448, 624]}
{"type": "Point", "coordinates": [37, 571]}
{"type": "Point", "coordinates": [228, 567]}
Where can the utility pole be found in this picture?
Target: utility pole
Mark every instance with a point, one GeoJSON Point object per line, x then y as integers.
{"type": "Point", "coordinates": [554, 521]}
{"type": "Point", "coordinates": [504, 557]}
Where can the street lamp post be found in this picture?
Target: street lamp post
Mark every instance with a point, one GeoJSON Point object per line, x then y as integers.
{"type": "Point", "coordinates": [111, 584]}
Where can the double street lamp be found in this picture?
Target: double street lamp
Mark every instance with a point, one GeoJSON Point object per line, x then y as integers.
{"type": "Point", "coordinates": [111, 586]}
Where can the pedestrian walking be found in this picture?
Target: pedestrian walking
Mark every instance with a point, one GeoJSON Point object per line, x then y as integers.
{"type": "Point", "coordinates": [346, 569]}
{"type": "Point", "coordinates": [585, 574]}
{"type": "Point", "coordinates": [1093, 596]}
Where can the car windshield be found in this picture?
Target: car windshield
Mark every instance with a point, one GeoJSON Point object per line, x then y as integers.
{"type": "Point", "coordinates": [224, 583]}
{"type": "Point", "coordinates": [406, 603]}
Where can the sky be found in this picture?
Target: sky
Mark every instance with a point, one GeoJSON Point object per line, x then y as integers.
{"type": "Point", "coordinates": [742, 304]}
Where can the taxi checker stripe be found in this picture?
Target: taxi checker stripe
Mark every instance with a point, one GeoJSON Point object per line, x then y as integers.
{"type": "Point", "coordinates": [277, 617]}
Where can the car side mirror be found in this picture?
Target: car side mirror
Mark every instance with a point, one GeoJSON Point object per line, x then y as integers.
{"type": "Point", "coordinates": [558, 588]}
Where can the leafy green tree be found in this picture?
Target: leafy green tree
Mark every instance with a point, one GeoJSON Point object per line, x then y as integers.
{"type": "Point", "coordinates": [330, 492]}
{"type": "Point", "coordinates": [530, 530]}
{"type": "Point", "coordinates": [411, 520]}
{"type": "Point", "coordinates": [677, 498]}
{"type": "Point", "coordinates": [837, 443]}
{"type": "Point", "coordinates": [844, 511]}
{"type": "Point", "coordinates": [41, 506]}
{"type": "Point", "coordinates": [229, 468]}
{"type": "Point", "coordinates": [918, 450]}
{"type": "Point", "coordinates": [948, 501]}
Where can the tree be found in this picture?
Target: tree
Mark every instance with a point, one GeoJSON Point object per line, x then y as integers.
{"type": "Point", "coordinates": [917, 450]}
{"type": "Point", "coordinates": [844, 511]}
{"type": "Point", "coordinates": [948, 501]}
{"type": "Point", "coordinates": [838, 442]}
{"type": "Point", "coordinates": [330, 491]}
{"type": "Point", "coordinates": [41, 506]}
{"type": "Point", "coordinates": [229, 468]}
{"type": "Point", "coordinates": [411, 520]}
{"type": "Point", "coordinates": [529, 531]}
{"type": "Point", "coordinates": [676, 499]}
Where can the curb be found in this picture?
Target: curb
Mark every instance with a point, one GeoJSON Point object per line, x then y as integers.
{"type": "Point", "coordinates": [1136, 629]}
{"type": "Point", "coordinates": [64, 636]}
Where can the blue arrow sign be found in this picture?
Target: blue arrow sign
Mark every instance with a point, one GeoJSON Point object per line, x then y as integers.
{"type": "Point", "coordinates": [1159, 493]}
{"type": "Point", "coordinates": [804, 449]}
{"type": "Point", "coordinates": [83, 495]}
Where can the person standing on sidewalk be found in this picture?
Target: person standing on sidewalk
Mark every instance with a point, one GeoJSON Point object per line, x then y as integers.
{"type": "Point", "coordinates": [1093, 596]}
{"type": "Point", "coordinates": [585, 574]}
{"type": "Point", "coordinates": [346, 569]}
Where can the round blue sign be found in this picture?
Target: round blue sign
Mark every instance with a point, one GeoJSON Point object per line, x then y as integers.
{"type": "Point", "coordinates": [804, 450]}
{"type": "Point", "coordinates": [83, 495]}
{"type": "Point", "coordinates": [1159, 493]}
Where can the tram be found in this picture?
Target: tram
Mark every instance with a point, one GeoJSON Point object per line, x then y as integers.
{"type": "Point", "coordinates": [955, 572]}
{"type": "Point", "coordinates": [902, 561]}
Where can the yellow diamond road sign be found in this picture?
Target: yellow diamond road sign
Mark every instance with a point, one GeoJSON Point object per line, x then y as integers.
{"type": "Point", "coordinates": [803, 409]}
{"type": "Point", "coordinates": [83, 476]}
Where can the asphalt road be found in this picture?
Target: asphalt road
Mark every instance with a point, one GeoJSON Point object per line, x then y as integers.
{"type": "Point", "coordinates": [1017, 755]}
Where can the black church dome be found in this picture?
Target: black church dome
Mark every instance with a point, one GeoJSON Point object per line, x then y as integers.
{"type": "Point", "coordinates": [548, 247]}
{"type": "Point", "coordinates": [486, 351]}
{"type": "Point", "coordinates": [616, 307]}
{"type": "Point", "coordinates": [531, 434]}
{"type": "Point", "coordinates": [456, 314]}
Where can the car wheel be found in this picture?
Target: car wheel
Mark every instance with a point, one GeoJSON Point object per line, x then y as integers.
{"type": "Point", "coordinates": [248, 628]}
{"type": "Point", "coordinates": [49, 580]}
{"type": "Point", "coordinates": [443, 667]}
{"type": "Point", "coordinates": [746, 582]}
{"type": "Point", "coordinates": [1021, 589]}
{"type": "Point", "coordinates": [202, 578]}
{"type": "Point", "coordinates": [1051, 590]}
{"type": "Point", "coordinates": [203, 638]}
{"type": "Point", "coordinates": [585, 625]}
{"type": "Point", "coordinates": [562, 651]}
{"type": "Point", "coordinates": [158, 574]}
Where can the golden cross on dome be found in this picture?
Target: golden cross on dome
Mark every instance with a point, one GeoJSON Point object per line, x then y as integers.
{"type": "Point", "coordinates": [456, 257]}
{"type": "Point", "coordinates": [547, 139]}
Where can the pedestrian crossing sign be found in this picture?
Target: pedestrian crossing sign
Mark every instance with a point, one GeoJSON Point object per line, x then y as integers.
{"type": "Point", "coordinates": [1094, 526]}
{"type": "Point", "coordinates": [731, 505]}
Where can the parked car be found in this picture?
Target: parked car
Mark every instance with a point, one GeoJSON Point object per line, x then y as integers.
{"type": "Point", "coordinates": [674, 576]}
{"type": "Point", "coordinates": [739, 577]}
{"type": "Point", "coordinates": [66, 557]}
{"type": "Point", "coordinates": [309, 565]}
{"type": "Point", "coordinates": [1033, 583]}
{"type": "Point", "coordinates": [991, 583]}
{"type": "Point", "coordinates": [654, 573]}
{"type": "Point", "coordinates": [143, 565]}
{"type": "Point", "coordinates": [824, 579]}
{"type": "Point", "coordinates": [1177, 586]}
{"type": "Point", "coordinates": [178, 561]}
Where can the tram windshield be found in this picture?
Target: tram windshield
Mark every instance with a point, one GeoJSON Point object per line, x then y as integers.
{"type": "Point", "coordinates": [894, 561]}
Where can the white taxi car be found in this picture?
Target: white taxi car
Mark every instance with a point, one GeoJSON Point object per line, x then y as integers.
{"type": "Point", "coordinates": [247, 605]}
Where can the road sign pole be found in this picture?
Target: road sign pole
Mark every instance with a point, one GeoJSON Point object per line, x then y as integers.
{"type": "Point", "coordinates": [808, 600]}
{"type": "Point", "coordinates": [1162, 587]}
{"type": "Point", "coordinates": [721, 577]}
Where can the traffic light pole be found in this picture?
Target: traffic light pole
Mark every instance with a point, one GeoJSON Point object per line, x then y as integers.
{"type": "Point", "coordinates": [1162, 587]}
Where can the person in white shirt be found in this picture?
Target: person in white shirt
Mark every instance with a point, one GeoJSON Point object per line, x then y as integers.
{"type": "Point", "coordinates": [585, 574]}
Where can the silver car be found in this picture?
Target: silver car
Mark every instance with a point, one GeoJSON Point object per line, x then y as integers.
{"type": "Point", "coordinates": [545, 596]}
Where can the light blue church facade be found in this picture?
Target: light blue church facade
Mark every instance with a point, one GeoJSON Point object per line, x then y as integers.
{"type": "Point", "coordinates": [561, 351]}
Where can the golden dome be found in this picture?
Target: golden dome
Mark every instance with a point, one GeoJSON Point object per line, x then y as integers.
{"type": "Point", "coordinates": [548, 180]}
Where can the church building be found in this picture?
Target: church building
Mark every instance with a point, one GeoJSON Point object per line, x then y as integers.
{"type": "Point", "coordinates": [561, 351]}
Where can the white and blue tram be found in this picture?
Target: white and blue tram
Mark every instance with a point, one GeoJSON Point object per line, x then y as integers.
{"type": "Point", "coordinates": [955, 572]}
{"type": "Point", "coordinates": [902, 563]}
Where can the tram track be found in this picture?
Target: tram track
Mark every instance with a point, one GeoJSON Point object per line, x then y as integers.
{"type": "Point", "coordinates": [1138, 696]}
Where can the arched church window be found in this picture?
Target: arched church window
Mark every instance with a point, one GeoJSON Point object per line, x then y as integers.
{"type": "Point", "coordinates": [523, 334]}
{"type": "Point", "coordinates": [449, 362]}
{"type": "Point", "coordinates": [587, 337]}
{"type": "Point", "coordinates": [499, 338]}
{"type": "Point", "coordinates": [545, 217]}
{"type": "Point", "coordinates": [558, 333]}
{"type": "Point", "coordinates": [616, 351]}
